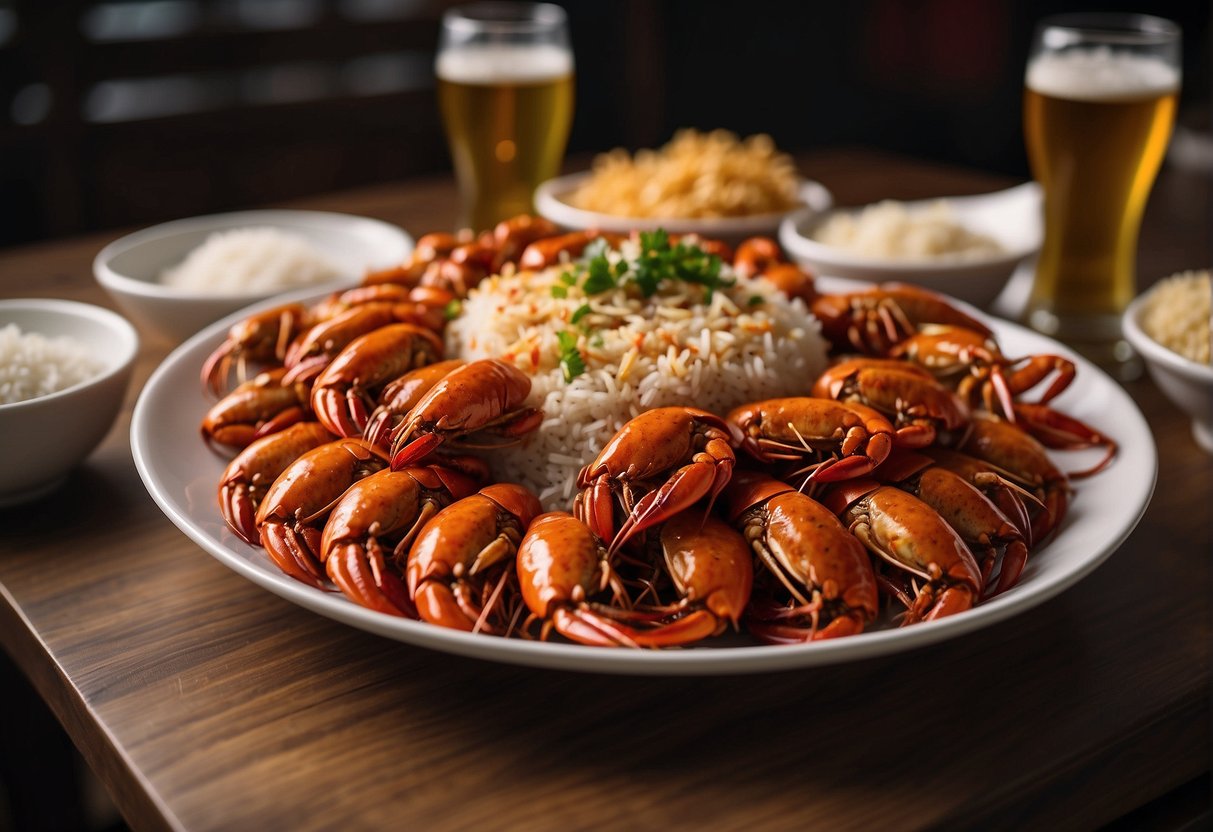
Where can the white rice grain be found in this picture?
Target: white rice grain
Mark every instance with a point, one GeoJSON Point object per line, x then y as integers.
{"type": "Point", "coordinates": [32, 365]}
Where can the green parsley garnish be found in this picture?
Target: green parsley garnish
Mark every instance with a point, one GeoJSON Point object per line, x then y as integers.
{"type": "Point", "coordinates": [570, 357]}
{"type": "Point", "coordinates": [451, 310]}
{"type": "Point", "coordinates": [580, 313]}
{"type": "Point", "coordinates": [598, 277]}
{"type": "Point", "coordinates": [659, 261]}
{"type": "Point", "coordinates": [560, 291]}
{"type": "Point", "coordinates": [756, 300]}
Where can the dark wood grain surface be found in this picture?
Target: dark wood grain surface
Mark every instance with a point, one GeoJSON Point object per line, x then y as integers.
{"type": "Point", "coordinates": [204, 702]}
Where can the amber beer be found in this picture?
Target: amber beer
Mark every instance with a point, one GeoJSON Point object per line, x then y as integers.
{"type": "Point", "coordinates": [1097, 125]}
{"type": "Point", "coordinates": [507, 112]}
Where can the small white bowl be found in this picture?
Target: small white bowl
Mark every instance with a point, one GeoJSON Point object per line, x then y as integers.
{"type": "Point", "coordinates": [1012, 217]}
{"type": "Point", "coordinates": [1185, 382]}
{"type": "Point", "coordinates": [551, 202]}
{"type": "Point", "coordinates": [42, 439]}
{"type": "Point", "coordinates": [129, 268]}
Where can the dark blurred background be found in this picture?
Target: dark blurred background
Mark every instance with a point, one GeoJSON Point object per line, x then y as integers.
{"type": "Point", "coordinates": [127, 112]}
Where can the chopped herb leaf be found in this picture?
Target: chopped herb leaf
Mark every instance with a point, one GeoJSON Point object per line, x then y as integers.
{"type": "Point", "coordinates": [756, 300]}
{"type": "Point", "coordinates": [580, 313]}
{"type": "Point", "coordinates": [657, 240]}
{"type": "Point", "coordinates": [451, 310]}
{"type": "Point", "coordinates": [560, 291]}
{"type": "Point", "coordinates": [658, 261]}
{"type": "Point", "coordinates": [599, 277]}
{"type": "Point", "coordinates": [570, 357]}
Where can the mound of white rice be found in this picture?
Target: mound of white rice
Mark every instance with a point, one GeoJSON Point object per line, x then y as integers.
{"type": "Point", "coordinates": [248, 260]}
{"type": "Point", "coordinates": [32, 365]}
{"type": "Point", "coordinates": [890, 231]}
{"type": "Point", "coordinates": [747, 343]}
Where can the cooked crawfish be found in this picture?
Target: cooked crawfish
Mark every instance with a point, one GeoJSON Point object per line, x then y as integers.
{"type": "Point", "coordinates": [316, 348]}
{"type": "Point", "coordinates": [258, 407]}
{"type": "Point", "coordinates": [904, 531]}
{"type": "Point", "coordinates": [368, 532]}
{"type": "Point", "coordinates": [483, 397]}
{"type": "Point", "coordinates": [1013, 500]}
{"type": "Point", "coordinates": [712, 571]}
{"type": "Point", "coordinates": [1054, 429]}
{"type": "Point", "coordinates": [512, 236]}
{"type": "Point", "coordinates": [251, 472]}
{"type": "Point", "coordinates": [873, 320]}
{"type": "Point", "coordinates": [292, 515]}
{"type": "Point", "coordinates": [918, 406]}
{"type": "Point", "coordinates": [420, 305]}
{"type": "Point", "coordinates": [401, 396]}
{"type": "Point", "coordinates": [654, 467]}
{"type": "Point", "coordinates": [263, 338]}
{"type": "Point", "coordinates": [562, 565]}
{"type": "Point", "coordinates": [822, 566]}
{"type": "Point", "coordinates": [981, 524]}
{"type": "Point", "coordinates": [463, 268]}
{"type": "Point", "coordinates": [547, 252]}
{"type": "Point", "coordinates": [1024, 460]}
{"type": "Point", "coordinates": [763, 257]}
{"type": "Point", "coordinates": [429, 248]}
{"type": "Point", "coordinates": [460, 564]}
{"type": "Point", "coordinates": [345, 393]}
{"type": "Point", "coordinates": [975, 367]}
{"type": "Point", "coordinates": [835, 440]}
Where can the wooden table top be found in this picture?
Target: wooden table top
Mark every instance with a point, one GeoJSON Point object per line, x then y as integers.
{"type": "Point", "coordinates": [205, 702]}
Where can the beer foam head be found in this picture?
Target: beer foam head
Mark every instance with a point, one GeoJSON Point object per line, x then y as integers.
{"type": "Point", "coordinates": [1101, 74]}
{"type": "Point", "coordinates": [503, 63]}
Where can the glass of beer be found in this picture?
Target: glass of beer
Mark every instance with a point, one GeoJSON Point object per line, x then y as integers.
{"type": "Point", "coordinates": [1099, 104]}
{"type": "Point", "coordinates": [505, 88]}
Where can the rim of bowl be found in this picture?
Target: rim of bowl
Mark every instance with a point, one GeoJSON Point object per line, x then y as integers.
{"type": "Point", "coordinates": [1153, 351]}
{"type": "Point", "coordinates": [111, 279]}
{"type": "Point", "coordinates": [118, 325]}
{"type": "Point", "coordinates": [549, 202]}
{"type": "Point", "coordinates": [795, 229]}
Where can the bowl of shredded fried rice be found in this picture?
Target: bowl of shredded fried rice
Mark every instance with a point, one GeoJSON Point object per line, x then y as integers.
{"type": "Point", "coordinates": [712, 184]}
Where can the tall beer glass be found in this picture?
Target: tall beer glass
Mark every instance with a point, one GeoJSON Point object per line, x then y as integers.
{"type": "Point", "coordinates": [505, 87]}
{"type": "Point", "coordinates": [1099, 104]}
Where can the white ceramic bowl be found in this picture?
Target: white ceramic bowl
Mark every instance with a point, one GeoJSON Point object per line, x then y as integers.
{"type": "Point", "coordinates": [129, 267]}
{"type": "Point", "coordinates": [1185, 382]}
{"type": "Point", "coordinates": [42, 439]}
{"type": "Point", "coordinates": [1012, 217]}
{"type": "Point", "coordinates": [551, 196]}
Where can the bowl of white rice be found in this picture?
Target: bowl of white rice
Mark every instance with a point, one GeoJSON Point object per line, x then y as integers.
{"type": "Point", "coordinates": [64, 370]}
{"type": "Point", "coordinates": [174, 278]}
{"type": "Point", "coordinates": [1171, 326]}
{"type": "Point", "coordinates": [966, 246]}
